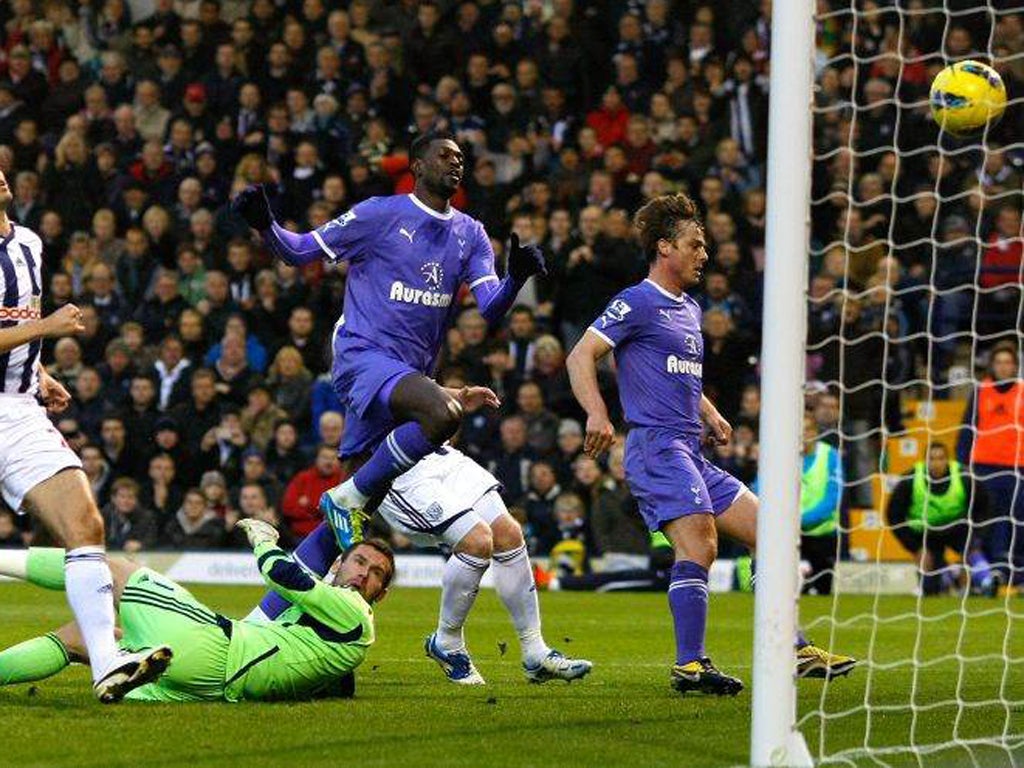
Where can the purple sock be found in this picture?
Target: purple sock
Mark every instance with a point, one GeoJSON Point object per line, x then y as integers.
{"type": "Point", "coordinates": [801, 641]}
{"type": "Point", "coordinates": [400, 450]}
{"type": "Point", "coordinates": [317, 552]}
{"type": "Point", "coordinates": [688, 601]}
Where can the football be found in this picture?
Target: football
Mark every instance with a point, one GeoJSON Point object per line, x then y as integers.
{"type": "Point", "coordinates": [966, 97]}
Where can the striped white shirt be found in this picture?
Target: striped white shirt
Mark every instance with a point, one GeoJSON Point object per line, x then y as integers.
{"type": "Point", "coordinates": [21, 293]}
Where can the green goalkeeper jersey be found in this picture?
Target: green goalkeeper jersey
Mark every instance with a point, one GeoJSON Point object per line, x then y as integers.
{"type": "Point", "coordinates": [303, 653]}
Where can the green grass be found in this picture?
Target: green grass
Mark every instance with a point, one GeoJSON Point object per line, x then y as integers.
{"type": "Point", "coordinates": [406, 715]}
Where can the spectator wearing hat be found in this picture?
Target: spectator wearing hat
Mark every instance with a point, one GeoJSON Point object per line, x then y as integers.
{"type": "Point", "coordinates": [215, 489]}
{"type": "Point", "coordinates": [130, 526]}
{"type": "Point", "coordinates": [196, 110]}
{"type": "Point", "coordinates": [300, 504]}
{"type": "Point", "coordinates": [169, 76]}
{"type": "Point", "coordinates": [195, 526]}
{"type": "Point", "coordinates": [28, 84]}
{"type": "Point", "coordinates": [167, 439]}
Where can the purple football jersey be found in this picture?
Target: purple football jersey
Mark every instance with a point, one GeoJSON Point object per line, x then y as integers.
{"type": "Point", "coordinates": [407, 263]}
{"type": "Point", "coordinates": [659, 354]}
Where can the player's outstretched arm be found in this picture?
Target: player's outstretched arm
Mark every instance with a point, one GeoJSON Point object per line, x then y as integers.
{"type": "Point", "coordinates": [253, 205]}
{"type": "Point", "coordinates": [339, 608]}
{"type": "Point", "coordinates": [65, 321]}
{"type": "Point", "coordinates": [582, 367]}
{"type": "Point", "coordinates": [494, 298]}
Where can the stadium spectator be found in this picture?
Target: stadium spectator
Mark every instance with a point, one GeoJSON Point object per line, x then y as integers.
{"type": "Point", "coordinates": [618, 532]}
{"type": "Point", "coordinates": [301, 499]}
{"type": "Point", "coordinates": [284, 456]}
{"type": "Point", "coordinates": [195, 526]}
{"type": "Point", "coordinates": [161, 492]}
{"type": "Point", "coordinates": [130, 526]}
{"type": "Point", "coordinates": [539, 505]}
{"type": "Point", "coordinates": [201, 412]}
{"type": "Point", "coordinates": [10, 536]}
{"type": "Point", "coordinates": [541, 423]}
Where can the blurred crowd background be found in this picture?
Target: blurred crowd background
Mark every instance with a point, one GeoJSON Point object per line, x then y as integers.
{"type": "Point", "coordinates": [201, 387]}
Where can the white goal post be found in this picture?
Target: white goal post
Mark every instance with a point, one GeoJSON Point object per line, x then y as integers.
{"type": "Point", "coordinates": [774, 738]}
{"type": "Point", "coordinates": [940, 677]}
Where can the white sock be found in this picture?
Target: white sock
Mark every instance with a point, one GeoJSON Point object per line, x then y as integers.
{"type": "Point", "coordinates": [90, 590]}
{"type": "Point", "coordinates": [347, 492]}
{"type": "Point", "coordinates": [257, 616]}
{"type": "Point", "coordinates": [14, 563]}
{"type": "Point", "coordinates": [513, 578]}
{"type": "Point", "coordinates": [459, 587]}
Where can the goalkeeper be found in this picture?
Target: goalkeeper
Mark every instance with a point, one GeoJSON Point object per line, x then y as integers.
{"type": "Point", "coordinates": [308, 652]}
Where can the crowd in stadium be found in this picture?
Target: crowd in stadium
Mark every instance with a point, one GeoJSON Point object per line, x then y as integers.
{"type": "Point", "coordinates": [201, 386]}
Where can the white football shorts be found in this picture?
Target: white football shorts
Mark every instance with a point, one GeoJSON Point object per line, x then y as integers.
{"type": "Point", "coordinates": [31, 448]}
{"type": "Point", "coordinates": [439, 500]}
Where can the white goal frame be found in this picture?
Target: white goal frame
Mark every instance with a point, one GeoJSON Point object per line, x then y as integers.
{"type": "Point", "coordinates": [774, 738]}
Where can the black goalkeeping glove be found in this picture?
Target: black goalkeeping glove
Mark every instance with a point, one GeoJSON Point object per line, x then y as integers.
{"type": "Point", "coordinates": [524, 261]}
{"type": "Point", "coordinates": [253, 206]}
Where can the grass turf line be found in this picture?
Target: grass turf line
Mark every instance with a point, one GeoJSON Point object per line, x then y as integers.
{"type": "Point", "coordinates": [623, 714]}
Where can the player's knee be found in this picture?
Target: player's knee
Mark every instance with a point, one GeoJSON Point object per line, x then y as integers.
{"type": "Point", "coordinates": [478, 542]}
{"type": "Point", "coordinates": [507, 534]}
{"type": "Point", "coordinates": [442, 420]}
{"type": "Point", "coordinates": [83, 527]}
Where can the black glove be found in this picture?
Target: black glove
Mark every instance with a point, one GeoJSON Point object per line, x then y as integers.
{"type": "Point", "coordinates": [524, 261]}
{"type": "Point", "coordinates": [253, 206]}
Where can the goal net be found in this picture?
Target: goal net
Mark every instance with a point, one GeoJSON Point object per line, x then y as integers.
{"type": "Point", "coordinates": [914, 326]}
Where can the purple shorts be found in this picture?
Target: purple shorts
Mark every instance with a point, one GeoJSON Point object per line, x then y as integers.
{"type": "Point", "coordinates": [363, 379]}
{"type": "Point", "coordinates": [670, 478]}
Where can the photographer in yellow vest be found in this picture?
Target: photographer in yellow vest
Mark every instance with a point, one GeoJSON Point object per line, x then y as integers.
{"type": "Point", "coordinates": [821, 491]}
{"type": "Point", "coordinates": [937, 505]}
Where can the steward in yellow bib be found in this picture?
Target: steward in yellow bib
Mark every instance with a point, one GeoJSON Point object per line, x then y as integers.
{"type": "Point", "coordinates": [821, 491]}
{"type": "Point", "coordinates": [935, 506]}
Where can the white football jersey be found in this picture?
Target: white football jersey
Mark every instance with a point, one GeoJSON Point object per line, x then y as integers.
{"type": "Point", "coordinates": [21, 292]}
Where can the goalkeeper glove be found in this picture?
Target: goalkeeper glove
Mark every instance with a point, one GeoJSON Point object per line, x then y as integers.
{"type": "Point", "coordinates": [524, 261]}
{"type": "Point", "coordinates": [258, 532]}
{"type": "Point", "coordinates": [253, 206]}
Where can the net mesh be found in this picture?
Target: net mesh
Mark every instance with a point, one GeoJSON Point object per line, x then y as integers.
{"type": "Point", "coordinates": [916, 281]}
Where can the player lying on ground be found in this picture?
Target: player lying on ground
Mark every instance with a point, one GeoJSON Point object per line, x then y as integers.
{"type": "Point", "coordinates": [655, 330]}
{"type": "Point", "coordinates": [39, 473]}
{"type": "Point", "coordinates": [447, 498]}
{"type": "Point", "coordinates": [308, 652]}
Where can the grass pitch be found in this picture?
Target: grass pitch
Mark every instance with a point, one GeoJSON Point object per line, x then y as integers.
{"type": "Point", "coordinates": [405, 714]}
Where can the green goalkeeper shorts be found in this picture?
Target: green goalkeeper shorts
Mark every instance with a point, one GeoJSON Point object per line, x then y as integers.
{"type": "Point", "coordinates": [155, 610]}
